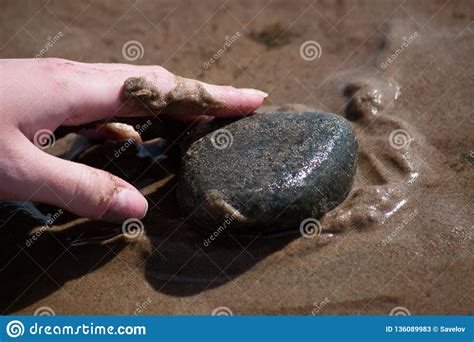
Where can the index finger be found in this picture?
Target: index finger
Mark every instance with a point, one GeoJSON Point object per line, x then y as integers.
{"type": "Point", "coordinates": [96, 92]}
{"type": "Point", "coordinates": [182, 97]}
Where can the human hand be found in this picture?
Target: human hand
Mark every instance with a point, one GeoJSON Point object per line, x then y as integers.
{"type": "Point", "coordinates": [43, 94]}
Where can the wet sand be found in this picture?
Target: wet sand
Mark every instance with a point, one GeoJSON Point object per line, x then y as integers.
{"type": "Point", "coordinates": [402, 72]}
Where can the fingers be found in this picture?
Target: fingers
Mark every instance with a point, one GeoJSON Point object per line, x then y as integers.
{"type": "Point", "coordinates": [112, 131]}
{"type": "Point", "coordinates": [78, 93]}
{"type": "Point", "coordinates": [236, 101]}
{"type": "Point", "coordinates": [183, 97]}
{"type": "Point", "coordinates": [78, 188]}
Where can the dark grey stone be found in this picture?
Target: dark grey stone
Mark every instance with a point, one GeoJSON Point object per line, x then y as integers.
{"type": "Point", "coordinates": [280, 169]}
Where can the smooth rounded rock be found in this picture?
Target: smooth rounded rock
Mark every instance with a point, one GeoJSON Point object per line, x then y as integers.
{"type": "Point", "coordinates": [268, 172]}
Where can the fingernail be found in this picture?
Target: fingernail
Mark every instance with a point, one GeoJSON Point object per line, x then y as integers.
{"type": "Point", "coordinates": [254, 92]}
{"type": "Point", "coordinates": [126, 203]}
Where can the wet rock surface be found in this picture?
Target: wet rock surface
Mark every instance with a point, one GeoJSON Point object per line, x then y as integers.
{"type": "Point", "coordinates": [268, 172]}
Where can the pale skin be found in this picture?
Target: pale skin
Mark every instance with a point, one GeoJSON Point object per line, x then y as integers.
{"type": "Point", "coordinates": [47, 93]}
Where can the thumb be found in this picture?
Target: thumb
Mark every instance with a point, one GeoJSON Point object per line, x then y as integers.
{"type": "Point", "coordinates": [78, 188]}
